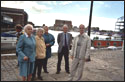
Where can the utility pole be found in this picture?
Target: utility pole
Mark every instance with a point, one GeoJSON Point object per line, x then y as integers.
{"type": "Point", "coordinates": [89, 26]}
{"type": "Point", "coordinates": [90, 18]}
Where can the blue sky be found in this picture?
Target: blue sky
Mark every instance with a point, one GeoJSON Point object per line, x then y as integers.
{"type": "Point", "coordinates": [110, 9]}
{"type": "Point", "coordinates": [105, 13]}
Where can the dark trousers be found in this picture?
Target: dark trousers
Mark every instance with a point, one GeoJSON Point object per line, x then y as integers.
{"type": "Point", "coordinates": [38, 65]}
{"type": "Point", "coordinates": [64, 52]}
{"type": "Point", "coordinates": [17, 59]}
{"type": "Point", "coordinates": [45, 64]}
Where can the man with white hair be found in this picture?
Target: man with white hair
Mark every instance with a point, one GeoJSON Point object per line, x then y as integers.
{"type": "Point", "coordinates": [79, 53]}
{"type": "Point", "coordinates": [64, 40]}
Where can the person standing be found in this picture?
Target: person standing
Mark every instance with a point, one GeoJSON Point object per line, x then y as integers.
{"type": "Point", "coordinates": [26, 49]}
{"type": "Point", "coordinates": [19, 32]}
{"type": "Point", "coordinates": [64, 40]}
{"type": "Point", "coordinates": [40, 53]}
{"type": "Point", "coordinates": [49, 42]}
{"type": "Point", "coordinates": [79, 53]}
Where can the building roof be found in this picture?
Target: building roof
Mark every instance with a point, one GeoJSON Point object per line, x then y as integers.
{"type": "Point", "coordinates": [6, 9]}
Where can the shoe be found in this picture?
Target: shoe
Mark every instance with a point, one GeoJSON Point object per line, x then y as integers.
{"type": "Point", "coordinates": [32, 79]}
{"type": "Point", "coordinates": [46, 72]}
{"type": "Point", "coordinates": [69, 80]}
{"type": "Point", "coordinates": [57, 72]}
{"type": "Point", "coordinates": [40, 78]}
{"type": "Point", "coordinates": [68, 72]}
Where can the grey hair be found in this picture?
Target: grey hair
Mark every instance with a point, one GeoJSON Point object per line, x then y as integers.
{"type": "Point", "coordinates": [45, 27]}
{"type": "Point", "coordinates": [27, 25]}
{"type": "Point", "coordinates": [39, 29]}
{"type": "Point", "coordinates": [65, 25]}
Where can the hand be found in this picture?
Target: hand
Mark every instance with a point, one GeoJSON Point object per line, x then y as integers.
{"type": "Point", "coordinates": [71, 57]}
{"type": "Point", "coordinates": [25, 58]}
{"type": "Point", "coordinates": [70, 47]}
{"type": "Point", "coordinates": [47, 45]}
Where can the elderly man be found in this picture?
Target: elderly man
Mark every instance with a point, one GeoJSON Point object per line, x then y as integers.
{"type": "Point", "coordinates": [79, 53]}
{"type": "Point", "coordinates": [49, 41]}
{"type": "Point", "coordinates": [64, 40]}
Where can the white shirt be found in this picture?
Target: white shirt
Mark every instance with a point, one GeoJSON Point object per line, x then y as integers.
{"type": "Point", "coordinates": [27, 34]}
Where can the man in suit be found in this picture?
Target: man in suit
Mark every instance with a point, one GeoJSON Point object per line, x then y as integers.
{"type": "Point", "coordinates": [64, 40]}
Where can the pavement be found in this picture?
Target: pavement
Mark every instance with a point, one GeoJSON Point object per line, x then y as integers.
{"type": "Point", "coordinates": [105, 65]}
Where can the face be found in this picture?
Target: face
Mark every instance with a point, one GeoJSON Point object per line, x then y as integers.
{"type": "Point", "coordinates": [65, 29]}
{"type": "Point", "coordinates": [18, 30]}
{"type": "Point", "coordinates": [29, 30]}
{"type": "Point", "coordinates": [81, 28]}
{"type": "Point", "coordinates": [46, 29]}
{"type": "Point", "coordinates": [40, 33]}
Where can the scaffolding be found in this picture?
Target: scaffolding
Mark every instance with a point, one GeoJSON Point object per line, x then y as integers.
{"type": "Point", "coordinates": [119, 23]}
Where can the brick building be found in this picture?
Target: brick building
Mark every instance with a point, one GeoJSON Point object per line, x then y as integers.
{"type": "Point", "coordinates": [12, 16]}
{"type": "Point", "coordinates": [59, 23]}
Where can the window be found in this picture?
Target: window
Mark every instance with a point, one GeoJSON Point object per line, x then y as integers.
{"type": "Point", "coordinates": [8, 19]}
{"type": "Point", "coordinates": [108, 44]}
{"type": "Point", "coordinates": [120, 44]}
{"type": "Point", "coordinates": [99, 43]}
{"type": "Point", "coordinates": [114, 43]}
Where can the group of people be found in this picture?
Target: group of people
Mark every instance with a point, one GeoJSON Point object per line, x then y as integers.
{"type": "Point", "coordinates": [34, 51]}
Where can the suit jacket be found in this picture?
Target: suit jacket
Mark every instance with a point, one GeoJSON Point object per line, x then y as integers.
{"type": "Point", "coordinates": [85, 47]}
{"type": "Point", "coordinates": [60, 40]}
{"type": "Point", "coordinates": [26, 46]}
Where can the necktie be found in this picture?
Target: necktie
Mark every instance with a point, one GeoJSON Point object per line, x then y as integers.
{"type": "Point", "coordinates": [65, 40]}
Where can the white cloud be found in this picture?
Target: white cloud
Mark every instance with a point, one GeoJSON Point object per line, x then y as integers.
{"type": "Point", "coordinates": [104, 23]}
{"type": "Point", "coordinates": [49, 19]}
{"type": "Point", "coordinates": [77, 5]}
{"type": "Point", "coordinates": [65, 2]}
{"type": "Point", "coordinates": [54, 2]}
{"type": "Point", "coordinates": [83, 9]}
{"type": "Point", "coordinates": [40, 19]}
{"type": "Point", "coordinates": [48, 2]}
{"type": "Point", "coordinates": [26, 5]}
{"type": "Point", "coordinates": [106, 5]}
{"type": "Point", "coordinates": [100, 2]}
{"type": "Point", "coordinates": [16, 4]}
{"type": "Point", "coordinates": [41, 7]}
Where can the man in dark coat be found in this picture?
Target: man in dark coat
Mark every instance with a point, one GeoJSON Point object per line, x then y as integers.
{"type": "Point", "coordinates": [49, 41]}
{"type": "Point", "coordinates": [64, 40]}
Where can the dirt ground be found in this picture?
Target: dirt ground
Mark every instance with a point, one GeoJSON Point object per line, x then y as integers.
{"type": "Point", "coordinates": [105, 65]}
